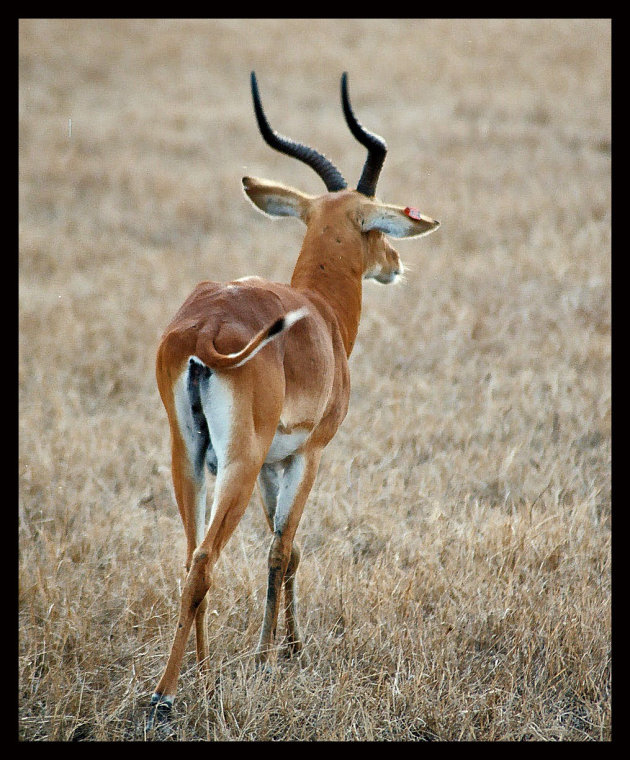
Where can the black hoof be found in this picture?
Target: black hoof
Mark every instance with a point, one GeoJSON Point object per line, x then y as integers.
{"type": "Point", "coordinates": [159, 711]}
{"type": "Point", "coordinates": [262, 666]}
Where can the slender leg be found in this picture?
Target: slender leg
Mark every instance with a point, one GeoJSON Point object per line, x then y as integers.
{"type": "Point", "coordinates": [190, 493]}
{"type": "Point", "coordinates": [232, 493]}
{"type": "Point", "coordinates": [268, 485]}
{"type": "Point", "coordinates": [190, 443]}
{"type": "Point", "coordinates": [293, 490]}
{"type": "Point", "coordinates": [294, 640]}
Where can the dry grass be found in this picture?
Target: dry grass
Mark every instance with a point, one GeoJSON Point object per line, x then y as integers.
{"type": "Point", "coordinates": [455, 580]}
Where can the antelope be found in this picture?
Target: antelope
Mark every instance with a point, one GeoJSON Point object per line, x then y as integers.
{"type": "Point", "coordinates": [254, 378]}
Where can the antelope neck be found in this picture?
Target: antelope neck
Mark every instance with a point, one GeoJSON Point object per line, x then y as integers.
{"type": "Point", "coordinates": [331, 265]}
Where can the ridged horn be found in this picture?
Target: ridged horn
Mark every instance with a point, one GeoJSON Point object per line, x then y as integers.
{"type": "Point", "coordinates": [323, 166]}
{"type": "Point", "coordinates": [377, 147]}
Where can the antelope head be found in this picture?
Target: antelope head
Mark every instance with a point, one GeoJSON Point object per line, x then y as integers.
{"type": "Point", "coordinates": [344, 221]}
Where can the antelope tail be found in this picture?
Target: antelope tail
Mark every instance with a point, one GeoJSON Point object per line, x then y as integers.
{"type": "Point", "coordinates": [215, 360]}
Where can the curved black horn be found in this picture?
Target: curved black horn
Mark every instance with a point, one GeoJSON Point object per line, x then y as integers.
{"type": "Point", "coordinates": [377, 147]}
{"type": "Point", "coordinates": [317, 161]}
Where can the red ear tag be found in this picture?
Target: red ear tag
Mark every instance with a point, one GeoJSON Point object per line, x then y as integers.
{"type": "Point", "coordinates": [413, 213]}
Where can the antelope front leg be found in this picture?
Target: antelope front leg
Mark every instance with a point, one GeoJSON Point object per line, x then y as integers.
{"type": "Point", "coordinates": [269, 483]}
{"type": "Point", "coordinates": [294, 640]}
{"type": "Point", "coordinates": [293, 490]}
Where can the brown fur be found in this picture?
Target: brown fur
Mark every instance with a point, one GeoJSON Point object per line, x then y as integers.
{"type": "Point", "coordinates": [298, 382]}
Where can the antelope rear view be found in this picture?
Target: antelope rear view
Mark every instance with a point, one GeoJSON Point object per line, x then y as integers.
{"type": "Point", "coordinates": [254, 378]}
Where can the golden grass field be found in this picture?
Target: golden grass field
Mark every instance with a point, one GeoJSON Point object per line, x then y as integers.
{"type": "Point", "coordinates": [455, 575]}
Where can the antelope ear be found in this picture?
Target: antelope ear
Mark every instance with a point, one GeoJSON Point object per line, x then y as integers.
{"type": "Point", "coordinates": [396, 221]}
{"type": "Point", "coordinates": [276, 199]}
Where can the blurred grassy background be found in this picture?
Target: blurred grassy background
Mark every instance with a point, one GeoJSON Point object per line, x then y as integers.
{"type": "Point", "coordinates": [456, 547]}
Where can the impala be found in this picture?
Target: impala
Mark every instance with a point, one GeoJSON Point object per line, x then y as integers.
{"type": "Point", "coordinates": [254, 377]}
